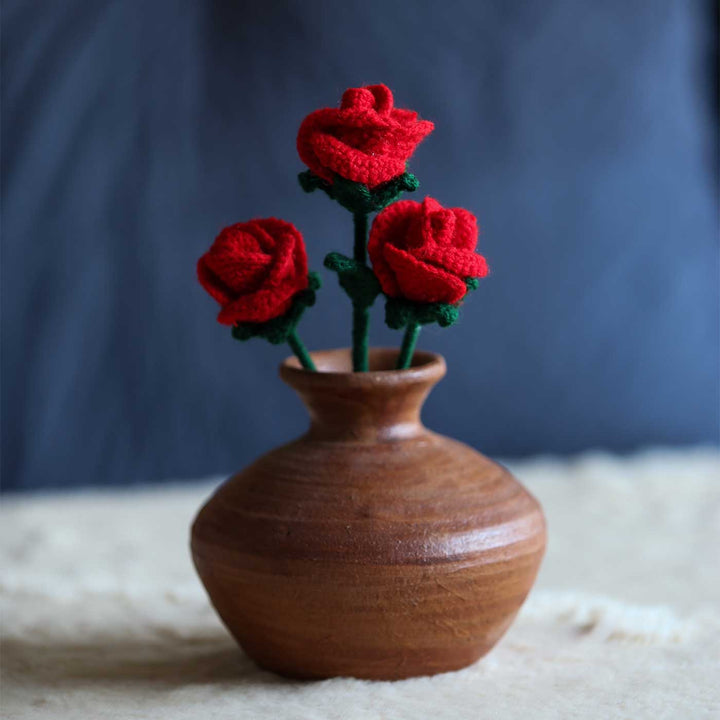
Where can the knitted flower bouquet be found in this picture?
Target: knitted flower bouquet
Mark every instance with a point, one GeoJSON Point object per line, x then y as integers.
{"type": "Point", "coordinates": [370, 546]}
{"type": "Point", "coordinates": [422, 254]}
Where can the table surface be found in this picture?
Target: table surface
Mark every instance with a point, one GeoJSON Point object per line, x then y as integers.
{"type": "Point", "coordinates": [103, 616]}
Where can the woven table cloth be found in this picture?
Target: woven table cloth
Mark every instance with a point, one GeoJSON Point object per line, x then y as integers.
{"type": "Point", "coordinates": [103, 616]}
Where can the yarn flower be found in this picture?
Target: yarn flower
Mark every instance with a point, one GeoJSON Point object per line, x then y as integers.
{"type": "Point", "coordinates": [424, 252]}
{"type": "Point", "coordinates": [258, 272]}
{"type": "Point", "coordinates": [424, 258]}
{"type": "Point", "coordinates": [367, 140]}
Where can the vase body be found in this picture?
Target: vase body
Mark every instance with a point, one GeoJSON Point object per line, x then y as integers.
{"type": "Point", "coordinates": [370, 547]}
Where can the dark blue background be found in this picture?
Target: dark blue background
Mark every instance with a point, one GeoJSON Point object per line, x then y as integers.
{"type": "Point", "coordinates": [582, 134]}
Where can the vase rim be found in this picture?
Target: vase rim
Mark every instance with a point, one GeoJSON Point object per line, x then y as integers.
{"type": "Point", "coordinates": [334, 366]}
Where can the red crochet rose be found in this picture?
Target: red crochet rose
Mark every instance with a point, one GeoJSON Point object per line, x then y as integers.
{"type": "Point", "coordinates": [425, 252]}
{"type": "Point", "coordinates": [367, 140]}
{"type": "Point", "coordinates": [253, 269]}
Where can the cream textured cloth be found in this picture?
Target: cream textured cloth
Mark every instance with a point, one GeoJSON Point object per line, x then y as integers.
{"type": "Point", "coordinates": [103, 616]}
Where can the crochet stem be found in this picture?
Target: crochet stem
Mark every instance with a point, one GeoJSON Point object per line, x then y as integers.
{"type": "Point", "coordinates": [361, 313]}
{"type": "Point", "coordinates": [301, 351]}
{"type": "Point", "coordinates": [361, 323]}
{"type": "Point", "coordinates": [408, 345]}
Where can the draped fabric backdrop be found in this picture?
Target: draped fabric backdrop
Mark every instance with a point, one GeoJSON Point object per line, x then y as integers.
{"type": "Point", "coordinates": [582, 134]}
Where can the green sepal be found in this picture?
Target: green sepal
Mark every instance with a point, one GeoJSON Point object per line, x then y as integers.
{"type": "Point", "coordinates": [277, 330]}
{"type": "Point", "coordinates": [400, 313]}
{"type": "Point", "coordinates": [356, 197]}
{"type": "Point", "coordinates": [356, 279]}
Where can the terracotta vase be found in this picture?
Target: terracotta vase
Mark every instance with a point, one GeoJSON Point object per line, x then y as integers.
{"type": "Point", "coordinates": [370, 547]}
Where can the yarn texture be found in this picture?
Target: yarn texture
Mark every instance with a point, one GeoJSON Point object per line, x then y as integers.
{"type": "Point", "coordinates": [424, 252]}
{"type": "Point", "coordinates": [367, 140]}
{"type": "Point", "coordinates": [355, 278]}
{"type": "Point", "coordinates": [423, 255]}
{"type": "Point", "coordinates": [401, 313]}
{"type": "Point", "coordinates": [254, 270]}
{"type": "Point", "coordinates": [361, 286]}
{"type": "Point", "coordinates": [411, 315]}
{"type": "Point", "coordinates": [356, 197]}
{"type": "Point", "coordinates": [282, 328]}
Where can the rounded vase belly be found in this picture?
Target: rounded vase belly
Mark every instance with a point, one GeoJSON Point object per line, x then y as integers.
{"type": "Point", "coordinates": [380, 550]}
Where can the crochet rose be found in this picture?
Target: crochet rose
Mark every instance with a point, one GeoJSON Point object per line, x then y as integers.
{"type": "Point", "coordinates": [366, 141]}
{"type": "Point", "coordinates": [254, 269]}
{"type": "Point", "coordinates": [424, 252]}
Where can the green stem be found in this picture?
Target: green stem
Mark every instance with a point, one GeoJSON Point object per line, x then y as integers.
{"type": "Point", "coordinates": [361, 313]}
{"type": "Point", "coordinates": [361, 323]}
{"type": "Point", "coordinates": [408, 345]}
{"type": "Point", "coordinates": [301, 351]}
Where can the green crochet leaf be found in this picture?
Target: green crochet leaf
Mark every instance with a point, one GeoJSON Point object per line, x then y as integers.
{"type": "Point", "coordinates": [277, 330]}
{"type": "Point", "coordinates": [356, 279]}
{"type": "Point", "coordinates": [356, 197]}
{"type": "Point", "coordinates": [400, 313]}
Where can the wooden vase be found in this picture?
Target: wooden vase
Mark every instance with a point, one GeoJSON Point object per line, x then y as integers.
{"type": "Point", "coordinates": [370, 547]}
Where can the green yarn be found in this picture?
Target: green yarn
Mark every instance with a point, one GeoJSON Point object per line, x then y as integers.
{"type": "Point", "coordinates": [400, 313]}
{"type": "Point", "coordinates": [407, 350]}
{"type": "Point", "coordinates": [356, 197]}
{"type": "Point", "coordinates": [279, 329]}
{"type": "Point", "coordinates": [356, 279]}
{"type": "Point", "coordinates": [362, 287]}
{"type": "Point", "coordinates": [360, 337]}
{"type": "Point", "coordinates": [300, 351]}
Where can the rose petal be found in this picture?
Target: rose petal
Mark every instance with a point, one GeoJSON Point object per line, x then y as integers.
{"type": "Point", "coordinates": [383, 98]}
{"type": "Point", "coordinates": [212, 283]}
{"type": "Point", "coordinates": [234, 261]}
{"type": "Point", "coordinates": [460, 262]}
{"type": "Point", "coordinates": [264, 236]}
{"type": "Point", "coordinates": [422, 282]}
{"type": "Point", "coordinates": [356, 165]}
{"type": "Point", "coordinates": [466, 229]}
{"type": "Point", "coordinates": [439, 227]}
{"type": "Point", "coordinates": [390, 226]}
{"type": "Point", "coordinates": [357, 99]}
{"type": "Point", "coordinates": [282, 271]}
{"type": "Point", "coordinates": [260, 306]}
{"type": "Point", "coordinates": [237, 238]}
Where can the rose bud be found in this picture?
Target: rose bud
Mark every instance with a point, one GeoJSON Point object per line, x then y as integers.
{"type": "Point", "coordinates": [366, 140]}
{"type": "Point", "coordinates": [424, 252]}
{"type": "Point", "coordinates": [254, 269]}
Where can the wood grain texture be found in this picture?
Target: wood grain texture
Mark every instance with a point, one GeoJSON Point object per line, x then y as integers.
{"type": "Point", "coordinates": [370, 547]}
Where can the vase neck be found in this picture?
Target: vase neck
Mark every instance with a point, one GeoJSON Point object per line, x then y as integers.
{"type": "Point", "coordinates": [376, 406]}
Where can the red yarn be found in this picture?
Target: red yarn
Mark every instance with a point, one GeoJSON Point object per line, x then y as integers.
{"type": "Point", "coordinates": [367, 140]}
{"type": "Point", "coordinates": [425, 252]}
{"type": "Point", "coordinates": [253, 269]}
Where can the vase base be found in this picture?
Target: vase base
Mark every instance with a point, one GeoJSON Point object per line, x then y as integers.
{"type": "Point", "coordinates": [401, 667]}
